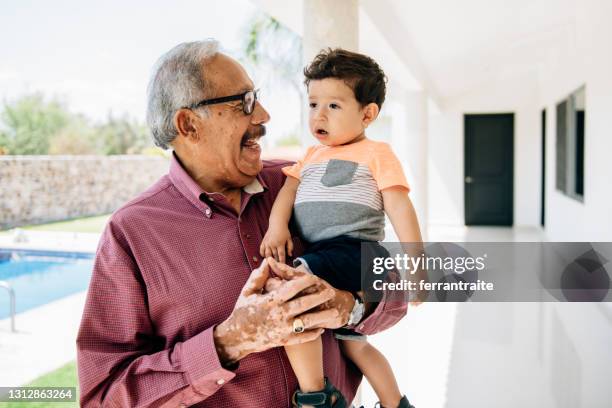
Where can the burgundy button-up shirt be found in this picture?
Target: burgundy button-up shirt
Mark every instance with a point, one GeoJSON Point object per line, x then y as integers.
{"type": "Point", "coordinates": [169, 267]}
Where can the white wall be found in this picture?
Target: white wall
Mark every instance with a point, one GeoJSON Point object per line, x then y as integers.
{"type": "Point", "coordinates": [516, 95]}
{"type": "Point", "coordinates": [590, 64]}
{"type": "Point", "coordinates": [445, 169]}
{"type": "Point", "coordinates": [584, 58]}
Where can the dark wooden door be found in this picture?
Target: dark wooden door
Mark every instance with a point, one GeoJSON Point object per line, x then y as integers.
{"type": "Point", "coordinates": [489, 157]}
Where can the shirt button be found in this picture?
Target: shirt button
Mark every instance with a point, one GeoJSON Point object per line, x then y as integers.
{"type": "Point", "coordinates": [361, 327]}
{"type": "Point", "coordinates": [220, 381]}
{"type": "Point", "coordinates": [255, 259]}
{"type": "Point", "coordinates": [211, 199]}
{"type": "Point", "coordinates": [207, 211]}
{"type": "Point", "coordinates": [182, 405]}
{"type": "Point", "coordinates": [247, 235]}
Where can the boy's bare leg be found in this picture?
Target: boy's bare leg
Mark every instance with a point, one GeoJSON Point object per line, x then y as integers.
{"type": "Point", "coordinates": [307, 362]}
{"type": "Point", "coordinates": [376, 368]}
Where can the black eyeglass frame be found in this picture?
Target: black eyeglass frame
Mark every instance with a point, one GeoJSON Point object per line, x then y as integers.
{"type": "Point", "coordinates": [246, 108]}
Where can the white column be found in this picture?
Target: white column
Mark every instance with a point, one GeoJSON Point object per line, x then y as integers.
{"type": "Point", "coordinates": [409, 141]}
{"type": "Point", "coordinates": [330, 24]}
{"type": "Point", "coordinates": [327, 24]}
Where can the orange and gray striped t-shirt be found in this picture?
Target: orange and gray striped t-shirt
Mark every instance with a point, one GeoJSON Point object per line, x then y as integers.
{"type": "Point", "coordinates": [340, 190]}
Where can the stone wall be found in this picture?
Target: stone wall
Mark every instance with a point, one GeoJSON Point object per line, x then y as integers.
{"type": "Point", "coordinates": [38, 189]}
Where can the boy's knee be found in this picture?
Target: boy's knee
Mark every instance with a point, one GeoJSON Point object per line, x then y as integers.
{"type": "Point", "coordinates": [351, 347]}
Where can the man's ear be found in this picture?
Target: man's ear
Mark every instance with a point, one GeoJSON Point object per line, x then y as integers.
{"type": "Point", "coordinates": [185, 125]}
{"type": "Point", "coordinates": [370, 113]}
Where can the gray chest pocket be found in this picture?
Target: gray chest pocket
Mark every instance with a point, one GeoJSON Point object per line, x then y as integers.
{"type": "Point", "coordinates": [338, 173]}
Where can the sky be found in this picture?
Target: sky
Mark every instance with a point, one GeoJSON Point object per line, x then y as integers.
{"type": "Point", "coordinates": [96, 56]}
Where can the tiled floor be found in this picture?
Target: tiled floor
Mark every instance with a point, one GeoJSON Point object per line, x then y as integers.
{"type": "Point", "coordinates": [419, 347]}
{"type": "Point", "coordinates": [543, 355]}
{"type": "Point", "coordinates": [45, 337]}
{"type": "Point", "coordinates": [445, 355]}
{"type": "Point", "coordinates": [45, 340]}
{"type": "Point", "coordinates": [49, 240]}
{"type": "Point", "coordinates": [448, 233]}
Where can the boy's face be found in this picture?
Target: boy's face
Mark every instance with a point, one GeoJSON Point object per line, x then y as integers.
{"type": "Point", "coordinates": [335, 118]}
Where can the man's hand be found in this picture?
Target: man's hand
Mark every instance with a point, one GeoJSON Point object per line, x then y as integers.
{"type": "Point", "coordinates": [330, 315]}
{"type": "Point", "coordinates": [263, 320]}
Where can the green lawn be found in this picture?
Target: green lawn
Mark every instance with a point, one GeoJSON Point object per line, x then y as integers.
{"type": "Point", "coordinates": [87, 224]}
{"type": "Point", "coordinates": [65, 376]}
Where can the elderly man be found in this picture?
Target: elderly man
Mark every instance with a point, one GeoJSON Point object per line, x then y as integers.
{"type": "Point", "coordinates": [181, 310]}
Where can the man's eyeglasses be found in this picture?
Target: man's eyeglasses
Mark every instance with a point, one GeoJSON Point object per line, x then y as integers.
{"type": "Point", "coordinates": [248, 99]}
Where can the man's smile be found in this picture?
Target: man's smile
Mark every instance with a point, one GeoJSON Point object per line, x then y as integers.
{"type": "Point", "coordinates": [250, 139]}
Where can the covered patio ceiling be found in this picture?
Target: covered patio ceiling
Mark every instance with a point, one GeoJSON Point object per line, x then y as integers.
{"type": "Point", "coordinates": [449, 47]}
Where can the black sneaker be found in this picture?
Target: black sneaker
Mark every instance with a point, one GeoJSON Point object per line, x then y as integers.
{"type": "Point", "coordinates": [320, 399]}
{"type": "Point", "coordinates": [404, 403]}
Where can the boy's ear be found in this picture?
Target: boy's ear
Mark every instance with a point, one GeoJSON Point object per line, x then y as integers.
{"type": "Point", "coordinates": [185, 124]}
{"type": "Point", "coordinates": [370, 113]}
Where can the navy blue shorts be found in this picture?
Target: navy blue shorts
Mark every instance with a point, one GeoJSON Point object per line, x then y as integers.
{"type": "Point", "coordinates": [340, 261]}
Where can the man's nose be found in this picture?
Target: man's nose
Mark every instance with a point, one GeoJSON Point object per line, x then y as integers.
{"type": "Point", "coordinates": [260, 114]}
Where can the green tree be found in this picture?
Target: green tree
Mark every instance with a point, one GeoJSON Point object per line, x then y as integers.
{"type": "Point", "coordinates": [78, 137]}
{"type": "Point", "coordinates": [30, 126]}
{"type": "Point", "coordinates": [274, 53]}
{"type": "Point", "coordinates": [123, 135]}
{"type": "Point", "coordinates": [291, 139]}
{"type": "Point", "coordinates": [274, 50]}
{"type": "Point", "coordinates": [29, 123]}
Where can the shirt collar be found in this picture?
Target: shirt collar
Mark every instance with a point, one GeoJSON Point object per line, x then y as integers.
{"type": "Point", "coordinates": [193, 192]}
{"type": "Point", "coordinates": [254, 186]}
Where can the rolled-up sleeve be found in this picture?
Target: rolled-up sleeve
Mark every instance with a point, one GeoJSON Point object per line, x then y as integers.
{"type": "Point", "coordinates": [121, 360]}
{"type": "Point", "coordinates": [386, 315]}
{"type": "Point", "coordinates": [390, 310]}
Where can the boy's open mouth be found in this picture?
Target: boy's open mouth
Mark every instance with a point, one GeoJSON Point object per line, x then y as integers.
{"type": "Point", "coordinates": [321, 131]}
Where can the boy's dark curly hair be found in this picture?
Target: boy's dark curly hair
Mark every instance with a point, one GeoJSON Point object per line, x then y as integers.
{"type": "Point", "coordinates": [360, 72]}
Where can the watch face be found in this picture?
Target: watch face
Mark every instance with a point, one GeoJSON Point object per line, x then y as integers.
{"type": "Point", "coordinates": [357, 313]}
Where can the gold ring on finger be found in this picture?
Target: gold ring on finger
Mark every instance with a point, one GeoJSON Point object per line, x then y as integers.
{"type": "Point", "coordinates": [298, 325]}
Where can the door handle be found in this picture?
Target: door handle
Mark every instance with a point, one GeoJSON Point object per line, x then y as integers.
{"type": "Point", "coordinates": [469, 180]}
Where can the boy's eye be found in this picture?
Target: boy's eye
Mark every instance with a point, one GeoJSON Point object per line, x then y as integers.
{"type": "Point", "coordinates": [312, 105]}
{"type": "Point", "coordinates": [334, 106]}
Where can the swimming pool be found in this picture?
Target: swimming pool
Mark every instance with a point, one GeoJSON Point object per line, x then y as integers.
{"type": "Point", "coordinates": [39, 277]}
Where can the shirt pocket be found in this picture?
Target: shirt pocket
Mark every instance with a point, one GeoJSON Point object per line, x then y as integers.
{"type": "Point", "coordinates": [338, 173]}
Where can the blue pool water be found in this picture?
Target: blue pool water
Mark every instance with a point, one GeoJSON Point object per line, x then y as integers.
{"type": "Point", "coordinates": [40, 277]}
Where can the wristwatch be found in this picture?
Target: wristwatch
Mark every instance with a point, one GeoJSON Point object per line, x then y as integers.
{"type": "Point", "coordinates": [357, 313]}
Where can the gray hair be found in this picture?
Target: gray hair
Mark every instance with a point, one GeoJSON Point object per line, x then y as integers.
{"type": "Point", "coordinates": [177, 81]}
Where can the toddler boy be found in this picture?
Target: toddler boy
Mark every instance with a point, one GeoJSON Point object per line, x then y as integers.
{"type": "Point", "coordinates": [339, 194]}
